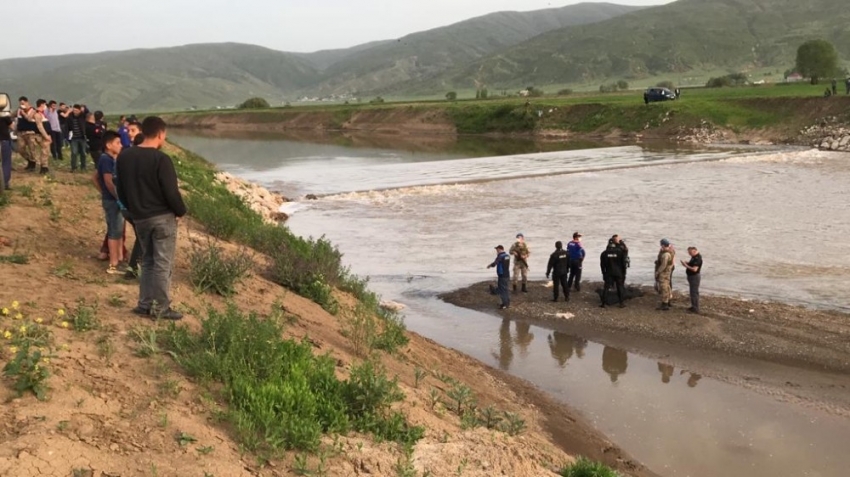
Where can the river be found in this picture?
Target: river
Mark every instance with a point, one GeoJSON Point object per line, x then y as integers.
{"type": "Point", "coordinates": [423, 219]}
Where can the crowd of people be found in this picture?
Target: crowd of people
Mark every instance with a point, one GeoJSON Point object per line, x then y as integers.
{"type": "Point", "coordinates": [137, 183]}
{"type": "Point", "coordinates": [565, 267]}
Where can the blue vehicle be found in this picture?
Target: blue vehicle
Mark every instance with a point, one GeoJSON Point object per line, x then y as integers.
{"type": "Point", "coordinates": [652, 95]}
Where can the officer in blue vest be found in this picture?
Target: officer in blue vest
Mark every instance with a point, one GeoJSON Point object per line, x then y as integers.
{"type": "Point", "coordinates": [503, 272]}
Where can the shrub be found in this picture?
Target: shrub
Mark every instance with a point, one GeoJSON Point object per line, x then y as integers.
{"type": "Point", "coordinates": [534, 92]}
{"type": "Point", "coordinates": [622, 85]}
{"type": "Point", "coordinates": [280, 396]}
{"type": "Point", "coordinates": [377, 100]}
{"type": "Point", "coordinates": [608, 88]}
{"type": "Point", "coordinates": [734, 79]}
{"type": "Point", "coordinates": [565, 92]}
{"type": "Point", "coordinates": [210, 269]}
{"type": "Point", "coordinates": [255, 103]}
{"type": "Point", "coordinates": [451, 96]}
{"type": "Point", "coordinates": [584, 467]}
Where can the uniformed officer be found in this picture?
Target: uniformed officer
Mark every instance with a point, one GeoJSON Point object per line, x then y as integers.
{"type": "Point", "coordinates": [613, 265]}
{"type": "Point", "coordinates": [519, 250]}
{"type": "Point", "coordinates": [664, 265]}
{"type": "Point", "coordinates": [503, 272]}
{"type": "Point", "coordinates": [559, 267]}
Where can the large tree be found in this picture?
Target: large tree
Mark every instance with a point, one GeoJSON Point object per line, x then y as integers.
{"type": "Point", "coordinates": [817, 59]}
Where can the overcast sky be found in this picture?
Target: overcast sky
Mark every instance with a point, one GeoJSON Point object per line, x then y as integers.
{"type": "Point", "coordinates": [86, 26]}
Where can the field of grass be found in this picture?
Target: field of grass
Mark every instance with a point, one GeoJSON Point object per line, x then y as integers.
{"type": "Point", "coordinates": [788, 106]}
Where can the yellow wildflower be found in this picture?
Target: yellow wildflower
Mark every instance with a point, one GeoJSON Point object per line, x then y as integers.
{"type": "Point", "coordinates": [13, 349]}
{"type": "Point", "coordinates": [65, 346]}
{"type": "Point", "coordinates": [5, 311]}
{"type": "Point", "coordinates": [7, 335]}
{"type": "Point", "coordinates": [19, 316]}
{"type": "Point", "coordinates": [15, 305]}
{"type": "Point", "coordinates": [60, 312]}
{"type": "Point", "coordinates": [39, 320]}
{"type": "Point", "coordinates": [45, 360]}
{"type": "Point", "coordinates": [23, 329]}
{"type": "Point", "coordinates": [64, 324]}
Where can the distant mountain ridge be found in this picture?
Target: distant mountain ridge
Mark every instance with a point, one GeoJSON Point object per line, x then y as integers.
{"type": "Point", "coordinates": [209, 75]}
{"type": "Point", "coordinates": [579, 43]}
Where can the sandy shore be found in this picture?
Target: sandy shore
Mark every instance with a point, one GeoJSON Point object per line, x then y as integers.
{"type": "Point", "coordinates": [792, 353]}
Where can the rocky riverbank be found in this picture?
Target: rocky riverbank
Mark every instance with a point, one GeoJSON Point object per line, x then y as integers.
{"type": "Point", "coordinates": [258, 198]}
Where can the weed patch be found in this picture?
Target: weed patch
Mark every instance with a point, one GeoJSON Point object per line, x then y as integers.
{"type": "Point", "coordinates": [584, 467]}
{"type": "Point", "coordinates": [210, 269]}
{"type": "Point", "coordinates": [280, 395]}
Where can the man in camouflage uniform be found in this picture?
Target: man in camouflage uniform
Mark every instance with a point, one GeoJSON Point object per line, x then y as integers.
{"type": "Point", "coordinates": [519, 250]}
{"type": "Point", "coordinates": [664, 266]}
{"type": "Point", "coordinates": [33, 137]}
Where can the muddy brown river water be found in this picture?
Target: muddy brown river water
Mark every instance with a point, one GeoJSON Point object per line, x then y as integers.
{"type": "Point", "coordinates": [771, 224]}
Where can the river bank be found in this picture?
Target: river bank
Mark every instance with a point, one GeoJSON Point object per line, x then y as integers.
{"type": "Point", "coordinates": [792, 353]}
{"type": "Point", "coordinates": [696, 120]}
{"type": "Point", "coordinates": [118, 404]}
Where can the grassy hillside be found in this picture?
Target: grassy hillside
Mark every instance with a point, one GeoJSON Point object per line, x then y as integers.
{"type": "Point", "coordinates": [164, 78]}
{"type": "Point", "coordinates": [688, 35]}
{"type": "Point", "coordinates": [425, 54]}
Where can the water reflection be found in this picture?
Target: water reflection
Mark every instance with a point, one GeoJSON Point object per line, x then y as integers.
{"type": "Point", "coordinates": [667, 371]}
{"type": "Point", "coordinates": [614, 362]}
{"type": "Point", "coordinates": [562, 347]}
{"type": "Point", "coordinates": [507, 341]}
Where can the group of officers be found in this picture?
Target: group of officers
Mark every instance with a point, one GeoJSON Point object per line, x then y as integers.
{"type": "Point", "coordinates": [565, 266]}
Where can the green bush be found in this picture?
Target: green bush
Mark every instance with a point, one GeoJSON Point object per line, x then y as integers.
{"type": "Point", "coordinates": [280, 395]}
{"type": "Point", "coordinates": [734, 79]}
{"type": "Point", "coordinates": [210, 269]}
{"type": "Point", "coordinates": [584, 467]}
{"type": "Point", "coordinates": [565, 92]}
{"type": "Point", "coordinates": [255, 103]}
{"type": "Point", "coordinates": [451, 96]}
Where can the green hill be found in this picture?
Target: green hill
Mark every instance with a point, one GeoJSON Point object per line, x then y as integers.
{"type": "Point", "coordinates": [685, 36]}
{"type": "Point", "coordinates": [207, 75]}
{"type": "Point", "coordinates": [425, 54]}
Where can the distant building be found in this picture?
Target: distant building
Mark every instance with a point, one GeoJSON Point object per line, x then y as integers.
{"type": "Point", "coordinates": [794, 77]}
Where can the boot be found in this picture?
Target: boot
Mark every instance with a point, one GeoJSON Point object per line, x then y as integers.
{"type": "Point", "coordinates": [44, 171]}
{"type": "Point", "coordinates": [30, 166]}
{"type": "Point", "coordinates": [514, 286]}
{"type": "Point", "coordinates": [524, 289]}
{"type": "Point", "coordinates": [664, 307]}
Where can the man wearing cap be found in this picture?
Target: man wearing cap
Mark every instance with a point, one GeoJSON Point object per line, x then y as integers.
{"type": "Point", "coordinates": [559, 267]}
{"type": "Point", "coordinates": [520, 252]}
{"type": "Point", "coordinates": [576, 252]}
{"type": "Point", "coordinates": [503, 272]}
{"type": "Point", "coordinates": [664, 266]}
{"type": "Point", "coordinates": [693, 270]}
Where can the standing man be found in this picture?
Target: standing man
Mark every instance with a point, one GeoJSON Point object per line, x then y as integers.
{"type": "Point", "coordinates": [124, 133]}
{"type": "Point", "coordinates": [520, 252]}
{"type": "Point", "coordinates": [834, 87]}
{"type": "Point", "coordinates": [559, 266]}
{"type": "Point", "coordinates": [847, 86]}
{"type": "Point", "coordinates": [613, 265]}
{"type": "Point", "coordinates": [27, 129]}
{"type": "Point", "coordinates": [94, 134]}
{"type": "Point", "coordinates": [693, 268]}
{"type": "Point", "coordinates": [664, 266]}
{"type": "Point", "coordinates": [77, 135]}
{"type": "Point", "coordinates": [56, 140]}
{"type": "Point", "coordinates": [5, 142]}
{"type": "Point", "coordinates": [576, 252]}
{"type": "Point", "coordinates": [624, 249]}
{"type": "Point", "coordinates": [502, 264]}
{"type": "Point", "coordinates": [148, 188]}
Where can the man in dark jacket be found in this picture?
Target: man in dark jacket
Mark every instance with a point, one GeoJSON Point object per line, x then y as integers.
{"type": "Point", "coordinates": [576, 252]}
{"type": "Point", "coordinates": [503, 272]}
{"type": "Point", "coordinates": [94, 134]}
{"type": "Point", "coordinates": [613, 265]}
{"type": "Point", "coordinates": [77, 137]}
{"type": "Point", "coordinates": [147, 186]}
{"type": "Point", "coordinates": [559, 267]}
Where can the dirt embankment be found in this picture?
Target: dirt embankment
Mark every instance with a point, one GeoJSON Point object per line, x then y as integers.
{"type": "Point", "coordinates": [785, 120]}
{"type": "Point", "coordinates": [111, 411]}
{"type": "Point", "coordinates": [792, 353]}
{"type": "Point", "coordinates": [398, 120]}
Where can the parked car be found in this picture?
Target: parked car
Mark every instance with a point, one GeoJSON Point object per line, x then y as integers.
{"type": "Point", "coordinates": [652, 95]}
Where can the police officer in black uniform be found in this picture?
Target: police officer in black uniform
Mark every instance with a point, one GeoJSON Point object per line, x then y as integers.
{"type": "Point", "coordinates": [559, 267]}
{"type": "Point", "coordinates": [613, 264]}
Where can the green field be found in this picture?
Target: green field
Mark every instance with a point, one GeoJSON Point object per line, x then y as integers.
{"type": "Point", "coordinates": [786, 107]}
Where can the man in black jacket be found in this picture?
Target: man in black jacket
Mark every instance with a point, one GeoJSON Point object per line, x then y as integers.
{"type": "Point", "coordinates": [147, 186]}
{"type": "Point", "coordinates": [613, 264]}
{"type": "Point", "coordinates": [559, 267]}
{"type": "Point", "coordinates": [77, 133]}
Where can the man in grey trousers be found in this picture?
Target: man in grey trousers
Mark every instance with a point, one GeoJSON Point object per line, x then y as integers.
{"type": "Point", "coordinates": [147, 186]}
{"type": "Point", "coordinates": [693, 269]}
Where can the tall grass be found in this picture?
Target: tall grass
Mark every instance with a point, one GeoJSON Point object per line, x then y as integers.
{"type": "Point", "coordinates": [280, 395]}
{"type": "Point", "coordinates": [584, 467]}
